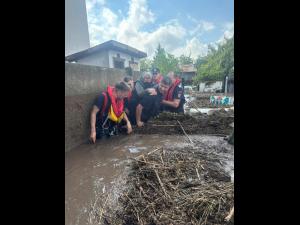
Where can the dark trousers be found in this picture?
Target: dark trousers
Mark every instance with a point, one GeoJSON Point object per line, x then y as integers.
{"type": "Point", "coordinates": [109, 129]}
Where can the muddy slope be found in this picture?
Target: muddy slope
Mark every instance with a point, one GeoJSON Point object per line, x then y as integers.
{"type": "Point", "coordinates": [218, 123]}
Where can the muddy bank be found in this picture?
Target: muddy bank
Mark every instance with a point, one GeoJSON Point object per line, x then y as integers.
{"type": "Point", "coordinates": [219, 123]}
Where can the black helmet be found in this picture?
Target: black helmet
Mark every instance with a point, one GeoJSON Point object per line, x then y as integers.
{"type": "Point", "coordinates": [155, 71]}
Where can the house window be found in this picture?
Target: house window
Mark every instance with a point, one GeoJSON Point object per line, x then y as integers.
{"type": "Point", "coordinates": [118, 62]}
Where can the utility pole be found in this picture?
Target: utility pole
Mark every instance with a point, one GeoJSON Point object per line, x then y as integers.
{"type": "Point", "coordinates": [226, 81]}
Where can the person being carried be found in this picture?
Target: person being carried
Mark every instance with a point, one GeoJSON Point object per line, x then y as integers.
{"type": "Point", "coordinates": [141, 86]}
{"type": "Point", "coordinates": [150, 104]}
{"type": "Point", "coordinates": [108, 112]}
{"type": "Point", "coordinates": [174, 98]}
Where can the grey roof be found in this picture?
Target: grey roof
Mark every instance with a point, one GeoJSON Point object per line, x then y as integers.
{"type": "Point", "coordinates": [109, 45]}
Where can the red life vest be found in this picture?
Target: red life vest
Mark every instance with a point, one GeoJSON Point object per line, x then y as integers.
{"type": "Point", "coordinates": [169, 95]}
{"type": "Point", "coordinates": [117, 105]}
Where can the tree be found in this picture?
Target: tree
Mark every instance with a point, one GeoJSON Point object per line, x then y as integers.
{"type": "Point", "coordinates": [200, 60]}
{"type": "Point", "coordinates": [164, 61]}
{"type": "Point", "coordinates": [183, 60]}
{"type": "Point", "coordinates": [217, 64]}
{"type": "Point", "coordinates": [146, 65]}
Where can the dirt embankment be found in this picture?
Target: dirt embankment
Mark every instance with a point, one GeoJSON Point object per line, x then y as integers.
{"type": "Point", "coordinates": [170, 123]}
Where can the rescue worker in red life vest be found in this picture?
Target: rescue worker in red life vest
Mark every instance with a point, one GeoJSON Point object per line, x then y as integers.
{"type": "Point", "coordinates": [108, 112]}
{"type": "Point", "coordinates": [174, 99]}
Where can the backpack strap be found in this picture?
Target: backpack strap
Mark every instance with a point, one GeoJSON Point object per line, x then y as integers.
{"type": "Point", "coordinates": [104, 104]}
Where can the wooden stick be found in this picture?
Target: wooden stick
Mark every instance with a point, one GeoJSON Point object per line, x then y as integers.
{"type": "Point", "coordinates": [198, 174]}
{"type": "Point", "coordinates": [161, 184]}
{"type": "Point", "coordinates": [154, 150]}
{"type": "Point", "coordinates": [162, 159]}
{"type": "Point", "coordinates": [148, 153]}
{"type": "Point", "coordinates": [227, 218]}
{"type": "Point", "coordinates": [185, 132]}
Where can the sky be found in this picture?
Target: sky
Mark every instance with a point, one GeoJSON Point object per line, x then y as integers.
{"type": "Point", "coordinates": [179, 26]}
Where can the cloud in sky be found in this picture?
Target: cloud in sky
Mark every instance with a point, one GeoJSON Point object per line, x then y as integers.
{"type": "Point", "coordinates": [228, 32]}
{"type": "Point", "coordinates": [202, 27]}
{"type": "Point", "coordinates": [91, 4]}
{"type": "Point", "coordinates": [128, 28]}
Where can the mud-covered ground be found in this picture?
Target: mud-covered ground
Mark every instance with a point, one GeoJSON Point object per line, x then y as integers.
{"type": "Point", "coordinates": [218, 123]}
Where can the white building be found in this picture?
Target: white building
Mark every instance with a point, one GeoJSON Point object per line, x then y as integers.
{"type": "Point", "coordinates": [76, 27]}
{"type": "Point", "coordinates": [210, 86]}
{"type": "Point", "coordinates": [110, 54]}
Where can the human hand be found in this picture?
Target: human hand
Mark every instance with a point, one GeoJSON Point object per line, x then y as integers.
{"type": "Point", "coordinates": [152, 91]}
{"type": "Point", "coordinates": [129, 128]}
{"type": "Point", "coordinates": [93, 137]}
{"type": "Point", "coordinates": [140, 124]}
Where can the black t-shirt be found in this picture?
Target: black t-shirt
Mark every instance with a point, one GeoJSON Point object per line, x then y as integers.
{"type": "Point", "coordinates": [127, 102]}
{"type": "Point", "coordinates": [177, 94]}
{"type": "Point", "coordinates": [151, 105]}
{"type": "Point", "coordinates": [99, 103]}
{"type": "Point", "coordinates": [135, 98]}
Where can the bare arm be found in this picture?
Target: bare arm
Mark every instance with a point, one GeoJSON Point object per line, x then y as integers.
{"type": "Point", "coordinates": [94, 111]}
{"type": "Point", "coordinates": [174, 103]}
{"type": "Point", "coordinates": [138, 115]}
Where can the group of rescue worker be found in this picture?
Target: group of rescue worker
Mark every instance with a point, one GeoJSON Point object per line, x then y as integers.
{"type": "Point", "coordinates": [131, 103]}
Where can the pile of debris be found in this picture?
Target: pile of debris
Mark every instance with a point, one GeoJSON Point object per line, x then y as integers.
{"type": "Point", "coordinates": [174, 187]}
{"type": "Point", "coordinates": [218, 123]}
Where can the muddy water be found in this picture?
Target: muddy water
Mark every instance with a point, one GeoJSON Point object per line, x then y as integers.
{"type": "Point", "coordinates": [94, 170]}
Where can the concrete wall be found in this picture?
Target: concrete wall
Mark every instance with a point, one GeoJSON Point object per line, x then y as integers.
{"type": "Point", "coordinates": [97, 59]}
{"type": "Point", "coordinates": [76, 27]}
{"type": "Point", "coordinates": [83, 84]}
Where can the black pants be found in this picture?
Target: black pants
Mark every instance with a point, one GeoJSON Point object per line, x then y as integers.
{"type": "Point", "coordinates": [110, 129]}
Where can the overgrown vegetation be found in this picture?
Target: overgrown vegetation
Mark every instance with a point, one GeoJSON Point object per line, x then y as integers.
{"type": "Point", "coordinates": [218, 63]}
